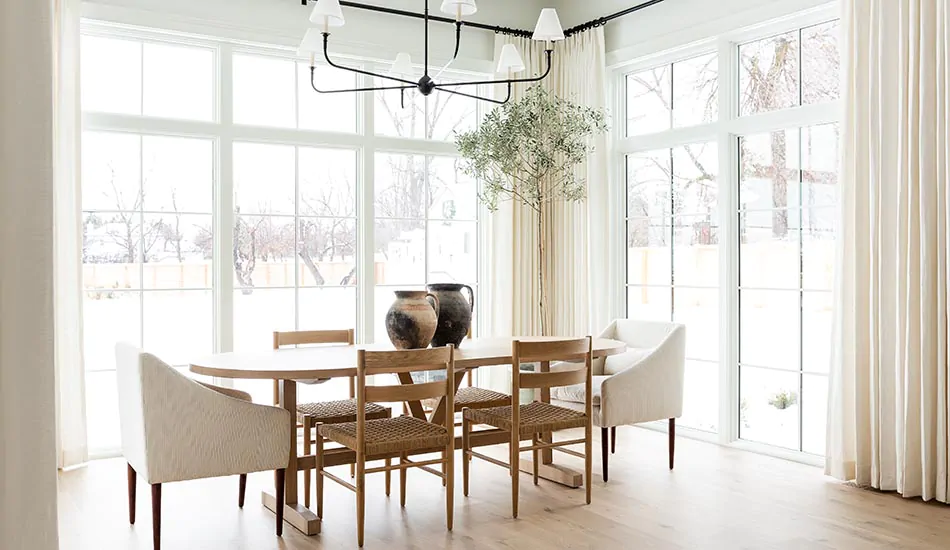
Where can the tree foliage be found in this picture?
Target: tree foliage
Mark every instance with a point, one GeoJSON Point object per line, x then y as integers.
{"type": "Point", "coordinates": [528, 150]}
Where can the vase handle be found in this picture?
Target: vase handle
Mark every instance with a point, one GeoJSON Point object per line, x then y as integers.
{"type": "Point", "coordinates": [471, 296]}
{"type": "Point", "coordinates": [434, 302]}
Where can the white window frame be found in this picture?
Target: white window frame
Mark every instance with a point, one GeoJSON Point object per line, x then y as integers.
{"type": "Point", "coordinates": [223, 132]}
{"type": "Point", "coordinates": [725, 132]}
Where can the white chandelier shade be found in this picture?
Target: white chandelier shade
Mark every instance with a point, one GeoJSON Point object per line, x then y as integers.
{"type": "Point", "coordinates": [459, 7]}
{"type": "Point", "coordinates": [549, 26]}
{"type": "Point", "coordinates": [327, 13]}
{"type": "Point", "coordinates": [510, 60]}
{"type": "Point", "coordinates": [402, 66]}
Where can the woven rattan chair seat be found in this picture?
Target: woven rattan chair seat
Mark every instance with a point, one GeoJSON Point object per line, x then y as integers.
{"type": "Point", "coordinates": [536, 417]}
{"type": "Point", "coordinates": [480, 398]}
{"type": "Point", "coordinates": [390, 435]}
{"type": "Point", "coordinates": [335, 412]}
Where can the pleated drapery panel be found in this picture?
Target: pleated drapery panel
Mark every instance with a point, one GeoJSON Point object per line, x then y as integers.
{"type": "Point", "coordinates": [888, 400]}
{"type": "Point", "coordinates": [577, 237]}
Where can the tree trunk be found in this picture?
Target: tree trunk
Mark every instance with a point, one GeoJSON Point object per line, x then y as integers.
{"type": "Point", "coordinates": [779, 185]}
{"type": "Point", "coordinates": [312, 267]}
{"type": "Point", "coordinates": [541, 270]}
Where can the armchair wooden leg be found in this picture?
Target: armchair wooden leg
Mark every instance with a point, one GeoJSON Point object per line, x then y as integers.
{"type": "Point", "coordinates": [513, 471]}
{"type": "Point", "coordinates": [672, 440]}
{"type": "Point", "coordinates": [465, 449]}
{"type": "Point", "coordinates": [156, 516]}
{"type": "Point", "coordinates": [389, 475]}
{"type": "Point", "coordinates": [279, 480]}
{"type": "Point", "coordinates": [361, 498]}
{"type": "Point", "coordinates": [242, 489]}
{"type": "Point", "coordinates": [307, 449]}
{"type": "Point", "coordinates": [132, 483]}
{"type": "Point", "coordinates": [605, 456]}
{"type": "Point", "coordinates": [613, 440]}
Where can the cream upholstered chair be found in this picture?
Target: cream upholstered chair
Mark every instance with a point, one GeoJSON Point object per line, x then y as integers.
{"type": "Point", "coordinates": [176, 429]}
{"type": "Point", "coordinates": [643, 384]}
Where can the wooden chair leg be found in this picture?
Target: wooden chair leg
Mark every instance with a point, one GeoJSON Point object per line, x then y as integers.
{"type": "Point", "coordinates": [449, 484]}
{"type": "Point", "coordinates": [588, 458]}
{"type": "Point", "coordinates": [466, 459]}
{"type": "Point", "coordinates": [445, 472]}
{"type": "Point", "coordinates": [613, 440]}
{"type": "Point", "coordinates": [132, 484]}
{"type": "Point", "coordinates": [307, 449]}
{"type": "Point", "coordinates": [279, 480]}
{"type": "Point", "coordinates": [402, 481]}
{"type": "Point", "coordinates": [513, 471]}
{"type": "Point", "coordinates": [605, 456]}
{"type": "Point", "coordinates": [389, 475]}
{"type": "Point", "coordinates": [242, 489]}
{"type": "Point", "coordinates": [360, 500]}
{"type": "Point", "coordinates": [156, 516]}
{"type": "Point", "coordinates": [319, 471]}
{"type": "Point", "coordinates": [536, 456]}
{"type": "Point", "coordinates": [672, 440]}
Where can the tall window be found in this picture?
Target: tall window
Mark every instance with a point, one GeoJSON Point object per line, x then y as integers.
{"type": "Point", "coordinates": [730, 224]}
{"type": "Point", "coordinates": [222, 201]}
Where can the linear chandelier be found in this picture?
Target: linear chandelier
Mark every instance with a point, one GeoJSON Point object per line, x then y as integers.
{"type": "Point", "coordinates": [328, 13]}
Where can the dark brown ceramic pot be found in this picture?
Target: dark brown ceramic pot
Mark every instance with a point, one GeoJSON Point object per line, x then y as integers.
{"type": "Point", "coordinates": [455, 313]}
{"type": "Point", "coordinates": [412, 319]}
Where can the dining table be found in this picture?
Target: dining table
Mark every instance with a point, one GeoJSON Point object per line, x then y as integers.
{"type": "Point", "coordinates": [290, 366]}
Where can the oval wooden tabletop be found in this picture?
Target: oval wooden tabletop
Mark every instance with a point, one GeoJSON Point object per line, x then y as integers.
{"type": "Point", "coordinates": [318, 362]}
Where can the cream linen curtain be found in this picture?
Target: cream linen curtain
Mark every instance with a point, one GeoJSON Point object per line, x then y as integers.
{"type": "Point", "coordinates": [27, 443]}
{"type": "Point", "coordinates": [67, 238]}
{"type": "Point", "coordinates": [577, 239]}
{"type": "Point", "coordinates": [888, 404]}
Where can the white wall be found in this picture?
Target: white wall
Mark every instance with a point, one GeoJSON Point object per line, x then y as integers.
{"type": "Point", "coordinates": [285, 21]}
{"type": "Point", "coordinates": [27, 449]}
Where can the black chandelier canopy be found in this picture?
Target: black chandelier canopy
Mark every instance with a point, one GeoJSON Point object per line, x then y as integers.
{"type": "Point", "coordinates": [329, 13]}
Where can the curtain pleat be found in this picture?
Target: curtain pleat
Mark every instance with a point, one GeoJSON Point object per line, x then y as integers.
{"type": "Point", "coordinates": [888, 404]}
{"type": "Point", "coordinates": [67, 238]}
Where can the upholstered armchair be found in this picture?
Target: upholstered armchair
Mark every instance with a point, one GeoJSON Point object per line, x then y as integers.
{"type": "Point", "coordinates": [643, 384]}
{"type": "Point", "coordinates": [176, 429]}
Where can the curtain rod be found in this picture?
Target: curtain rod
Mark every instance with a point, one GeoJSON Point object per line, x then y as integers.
{"type": "Point", "coordinates": [494, 28]}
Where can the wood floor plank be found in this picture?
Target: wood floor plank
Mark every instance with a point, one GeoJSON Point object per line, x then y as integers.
{"type": "Point", "coordinates": [715, 498]}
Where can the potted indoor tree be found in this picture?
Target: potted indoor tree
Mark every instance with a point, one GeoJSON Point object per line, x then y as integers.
{"type": "Point", "coordinates": [528, 151]}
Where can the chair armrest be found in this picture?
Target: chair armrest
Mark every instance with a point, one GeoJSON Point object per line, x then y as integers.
{"type": "Point", "coordinates": [193, 432]}
{"type": "Point", "coordinates": [230, 392]}
{"type": "Point", "coordinates": [650, 390]}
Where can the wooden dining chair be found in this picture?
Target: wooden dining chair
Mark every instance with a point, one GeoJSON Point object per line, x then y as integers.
{"type": "Point", "coordinates": [534, 420]}
{"type": "Point", "coordinates": [401, 437]}
{"type": "Point", "coordinates": [324, 412]}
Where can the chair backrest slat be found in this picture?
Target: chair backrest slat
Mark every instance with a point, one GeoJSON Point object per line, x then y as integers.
{"type": "Point", "coordinates": [554, 350]}
{"type": "Point", "coordinates": [305, 337]}
{"type": "Point", "coordinates": [401, 361]}
{"type": "Point", "coordinates": [405, 392]}
{"type": "Point", "coordinates": [543, 380]}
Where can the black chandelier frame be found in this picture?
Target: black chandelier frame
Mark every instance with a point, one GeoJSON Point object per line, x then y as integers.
{"type": "Point", "coordinates": [426, 85]}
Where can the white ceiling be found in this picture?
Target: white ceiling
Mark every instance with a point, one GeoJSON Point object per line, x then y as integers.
{"type": "Point", "coordinates": [575, 12]}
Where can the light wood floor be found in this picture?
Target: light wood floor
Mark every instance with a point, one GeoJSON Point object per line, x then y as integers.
{"type": "Point", "coordinates": [716, 498]}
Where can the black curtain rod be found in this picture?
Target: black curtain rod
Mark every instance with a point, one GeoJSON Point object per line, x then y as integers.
{"type": "Point", "coordinates": [494, 28]}
{"type": "Point", "coordinates": [606, 19]}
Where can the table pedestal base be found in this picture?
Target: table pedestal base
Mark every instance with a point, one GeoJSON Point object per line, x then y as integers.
{"type": "Point", "coordinates": [297, 515]}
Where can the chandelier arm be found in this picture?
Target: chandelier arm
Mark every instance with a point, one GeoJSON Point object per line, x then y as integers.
{"type": "Point", "coordinates": [510, 81]}
{"type": "Point", "coordinates": [458, 42]}
{"type": "Point", "coordinates": [326, 54]}
{"type": "Point", "coordinates": [379, 89]}
{"type": "Point", "coordinates": [478, 97]}
{"type": "Point", "coordinates": [426, 67]}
